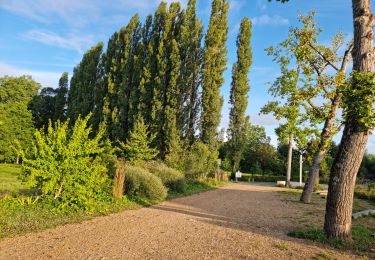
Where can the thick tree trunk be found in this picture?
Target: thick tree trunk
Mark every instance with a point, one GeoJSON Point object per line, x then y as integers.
{"type": "Point", "coordinates": [338, 218]}
{"type": "Point", "coordinates": [290, 155]}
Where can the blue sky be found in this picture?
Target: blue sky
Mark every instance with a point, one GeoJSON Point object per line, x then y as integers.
{"type": "Point", "coordinates": [44, 38]}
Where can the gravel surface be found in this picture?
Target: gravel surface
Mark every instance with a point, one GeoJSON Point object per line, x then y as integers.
{"type": "Point", "coordinates": [236, 221]}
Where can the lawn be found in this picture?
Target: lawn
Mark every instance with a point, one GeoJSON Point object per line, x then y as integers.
{"type": "Point", "coordinates": [9, 179]}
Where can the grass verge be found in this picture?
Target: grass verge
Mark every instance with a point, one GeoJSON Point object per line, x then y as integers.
{"type": "Point", "coordinates": [363, 239]}
{"type": "Point", "coordinates": [17, 219]}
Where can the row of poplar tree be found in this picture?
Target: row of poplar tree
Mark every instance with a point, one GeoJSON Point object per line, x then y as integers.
{"type": "Point", "coordinates": [161, 72]}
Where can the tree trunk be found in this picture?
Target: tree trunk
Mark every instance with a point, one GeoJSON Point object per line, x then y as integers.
{"type": "Point", "coordinates": [119, 182]}
{"type": "Point", "coordinates": [325, 139]}
{"type": "Point", "coordinates": [289, 168]}
{"type": "Point", "coordinates": [338, 218]}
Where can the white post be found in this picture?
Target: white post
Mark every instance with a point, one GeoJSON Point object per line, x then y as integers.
{"type": "Point", "coordinates": [300, 169]}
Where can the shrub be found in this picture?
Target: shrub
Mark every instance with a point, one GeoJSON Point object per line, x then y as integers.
{"type": "Point", "coordinates": [141, 183]}
{"type": "Point", "coordinates": [200, 161]}
{"type": "Point", "coordinates": [66, 165]}
{"type": "Point", "coordinates": [138, 145]}
{"type": "Point", "coordinates": [171, 178]}
{"type": "Point", "coordinates": [365, 193]}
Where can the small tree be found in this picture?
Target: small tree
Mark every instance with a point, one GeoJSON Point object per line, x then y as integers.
{"type": "Point", "coordinates": [138, 145]}
{"type": "Point", "coordinates": [66, 165]}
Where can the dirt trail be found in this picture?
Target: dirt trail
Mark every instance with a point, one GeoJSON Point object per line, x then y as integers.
{"type": "Point", "coordinates": [237, 221]}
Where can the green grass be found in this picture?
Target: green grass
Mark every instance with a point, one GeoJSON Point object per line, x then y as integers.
{"type": "Point", "coordinates": [193, 187]}
{"type": "Point", "coordinates": [9, 179]}
{"type": "Point", "coordinates": [282, 246]}
{"type": "Point", "coordinates": [363, 241]}
{"type": "Point", "coordinates": [16, 219]}
{"type": "Point", "coordinates": [323, 256]}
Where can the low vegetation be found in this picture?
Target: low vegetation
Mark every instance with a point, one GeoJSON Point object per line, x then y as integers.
{"type": "Point", "coordinates": [310, 227]}
{"type": "Point", "coordinates": [68, 176]}
{"type": "Point", "coordinates": [9, 182]}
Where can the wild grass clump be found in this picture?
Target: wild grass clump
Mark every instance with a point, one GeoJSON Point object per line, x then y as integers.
{"type": "Point", "coordinates": [141, 183]}
{"type": "Point", "coordinates": [171, 178]}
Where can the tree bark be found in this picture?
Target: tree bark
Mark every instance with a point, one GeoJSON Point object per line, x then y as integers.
{"type": "Point", "coordinates": [290, 155]}
{"type": "Point", "coordinates": [325, 139]}
{"type": "Point", "coordinates": [338, 218]}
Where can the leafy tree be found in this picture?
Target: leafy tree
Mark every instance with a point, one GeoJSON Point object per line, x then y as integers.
{"type": "Point", "coordinates": [191, 54]}
{"type": "Point", "coordinates": [42, 107]}
{"type": "Point", "coordinates": [285, 87]}
{"type": "Point", "coordinates": [200, 161]}
{"type": "Point", "coordinates": [16, 123]}
{"type": "Point", "coordinates": [138, 145]}
{"type": "Point", "coordinates": [238, 94]}
{"type": "Point", "coordinates": [214, 65]}
{"type": "Point", "coordinates": [83, 84]}
{"type": "Point", "coordinates": [66, 165]}
{"type": "Point", "coordinates": [61, 98]}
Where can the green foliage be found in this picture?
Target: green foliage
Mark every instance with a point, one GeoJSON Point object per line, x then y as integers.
{"type": "Point", "coordinates": [84, 83]}
{"type": "Point", "coordinates": [366, 193]}
{"type": "Point", "coordinates": [61, 98]}
{"type": "Point", "coordinates": [191, 61]}
{"type": "Point", "coordinates": [238, 94]}
{"type": "Point", "coordinates": [16, 125]}
{"type": "Point", "coordinates": [171, 178]}
{"type": "Point", "coordinates": [143, 184]}
{"type": "Point", "coordinates": [42, 107]}
{"type": "Point", "coordinates": [214, 65]}
{"type": "Point", "coordinates": [358, 98]}
{"type": "Point", "coordinates": [66, 165]}
{"type": "Point", "coordinates": [138, 145]}
{"type": "Point", "coordinates": [200, 161]}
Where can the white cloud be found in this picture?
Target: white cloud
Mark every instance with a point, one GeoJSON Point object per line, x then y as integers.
{"type": "Point", "coordinates": [74, 13]}
{"type": "Point", "coordinates": [265, 19]}
{"type": "Point", "coordinates": [45, 78]}
{"type": "Point", "coordinates": [261, 5]}
{"type": "Point", "coordinates": [235, 5]}
{"type": "Point", "coordinates": [67, 42]}
{"type": "Point", "coordinates": [264, 120]}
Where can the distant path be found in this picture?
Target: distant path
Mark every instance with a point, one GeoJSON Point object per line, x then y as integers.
{"type": "Point", "coordinates": [237, 221]}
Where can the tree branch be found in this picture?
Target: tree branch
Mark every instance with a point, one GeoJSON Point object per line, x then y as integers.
{"type": "Point", "coordinates": [346, 57]}
{"type": "Point", "coordinates": [314, 107]}
{"type": "Point", "coordinates": [324, 58]}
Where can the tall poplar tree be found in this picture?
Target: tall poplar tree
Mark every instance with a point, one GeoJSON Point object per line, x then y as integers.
{"type": "Point", "coordinates": [238, 93]}
{"type": "Point", "coordinates": [84, 82]}
{"type": "Point", "coordinates": [214, 65]}
{"type": "Point", "coordinates": [191, 53]}
{"type": "Point", "coordinates": [61, 98]}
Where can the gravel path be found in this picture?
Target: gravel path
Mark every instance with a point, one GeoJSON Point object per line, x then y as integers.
{"type": "Point", "coordinates": [237, 221]}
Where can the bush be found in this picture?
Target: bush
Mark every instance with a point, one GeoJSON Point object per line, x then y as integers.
{"type": "Point", "coordinates": [67, 165]}
{"type": "Point", "coordinates": [141, 183]}
{"type": "Point", "coordinates": [200, 161]}
{"type": "Point", "coordinates": [171, 178]}
{"type": "Point", "coordinates": [366, 193]}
